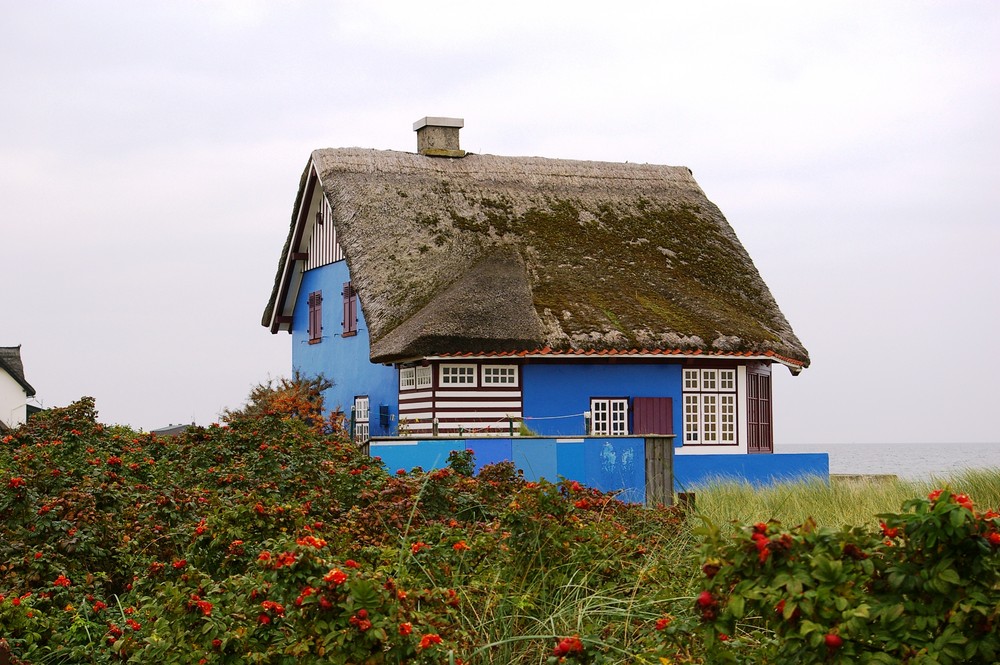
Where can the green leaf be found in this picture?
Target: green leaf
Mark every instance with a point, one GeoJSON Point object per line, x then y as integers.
{"type": "Point", "coordinates": [950, 575]}
{"type": "Point", "coordinates": [735, 606]}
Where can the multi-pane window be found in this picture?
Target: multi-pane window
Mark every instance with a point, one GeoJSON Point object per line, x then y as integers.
{"type": "Point", "coordinates": [407, 378]}
{"type": "Point", "coordinates": [423, 377]}
{"type": "Point", "coordinates": [609, 416]}
{"type": "Point", "coordinates": [315, 317]}
{"type": "Point", "coordinates": [709, 406]}
{"type": "Point", "coordinates": [361, 418]}
{"type": "Point", "coordinates": [499, 375]}
{"type": "Point", "coordinates": [458, 375]}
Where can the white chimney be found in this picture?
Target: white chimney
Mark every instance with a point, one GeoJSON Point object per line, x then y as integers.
{"type": "Point", "coordinates": [438, 137]}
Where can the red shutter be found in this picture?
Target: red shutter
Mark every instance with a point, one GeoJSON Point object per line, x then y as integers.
{"type": "Point", "coordinates": [653, 415]}
{"type": "Point", "coordinates": [350, 310]}
{"type": "Point", "coordinates": [315, 317]}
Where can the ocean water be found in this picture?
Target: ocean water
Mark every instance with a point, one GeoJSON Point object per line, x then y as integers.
{"type": "Point", "coordinates": [910, 461]}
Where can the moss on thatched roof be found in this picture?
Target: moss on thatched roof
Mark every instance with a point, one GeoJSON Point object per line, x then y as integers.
{"type": "Point", "coordinates": [488, 253]}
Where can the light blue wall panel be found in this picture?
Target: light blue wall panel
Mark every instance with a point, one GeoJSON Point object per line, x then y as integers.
{"type": "Point", "coordinates": [571, 459]}
{"type": "Point", "coordinates": [537, 458]}
{"type": "Point", "coordinates": [427, 455]}
{"type": "Point", "coordinates": [617, 464]}
{"type": "Point", "coordinates": [343, 360]}
{"type": "Point", "coordinates": [556, 393]}
{"type": "Point", "coordinates": [490, 451]}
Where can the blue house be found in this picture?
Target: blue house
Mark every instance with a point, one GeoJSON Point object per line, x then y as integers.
{"type": "Point", "coordinates": [453, 294]}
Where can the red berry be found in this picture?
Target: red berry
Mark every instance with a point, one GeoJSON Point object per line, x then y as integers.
{"type": "Point", "coordinates": [833, 641]}
{"type": "Point", "coordinates": [705, 599]}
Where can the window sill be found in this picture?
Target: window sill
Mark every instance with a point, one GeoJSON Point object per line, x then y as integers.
{"type": "Point", "coordinates": [349, 334]}
{"type": "Point", "coordinates": [315, 341]}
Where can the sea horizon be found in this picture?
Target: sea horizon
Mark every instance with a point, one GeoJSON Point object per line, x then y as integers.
{"type": "Point", "coordinates": [910, 461]}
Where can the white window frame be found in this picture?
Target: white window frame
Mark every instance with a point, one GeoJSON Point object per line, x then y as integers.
{"type": "Point", "coordinates": [710, 409]}
{"type": "Point", "coordinates": [407, 378]}
{"type": "Point", "coordinates": [609, 416]}
{"type": "Point", "coordinates": [449, 375]}
{"type": "Point", "coordinates": [424, 377]}
{"type": "Point", "coordinates": [500, 375]}
{"type": "Point", "coordinates": [362, 414]}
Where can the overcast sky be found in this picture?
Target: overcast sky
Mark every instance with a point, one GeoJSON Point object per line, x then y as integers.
{"type": "Point", "coordinates": [150, 154]}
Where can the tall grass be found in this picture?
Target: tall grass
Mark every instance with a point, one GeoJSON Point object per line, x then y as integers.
{"type": "Point", "coordinates": [849, 501]}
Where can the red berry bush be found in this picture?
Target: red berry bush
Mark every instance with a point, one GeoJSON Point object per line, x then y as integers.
{"type": "Point", "coordinates": [271, 539]}
{"type": "Point", "coordinates": [924, 588]}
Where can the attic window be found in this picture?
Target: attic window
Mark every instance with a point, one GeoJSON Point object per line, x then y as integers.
{"type": "Point", "coordinates": [423, 377]}
{"type": "Point", "coordinates": [499, 375]}
{"type": "Point", "coordinates": [458, 375]}
{"type": "Point", "coordinates": [407, 378]}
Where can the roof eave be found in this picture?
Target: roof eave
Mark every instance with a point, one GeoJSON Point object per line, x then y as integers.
{"type": "Point", "coordinates": [276, 316]}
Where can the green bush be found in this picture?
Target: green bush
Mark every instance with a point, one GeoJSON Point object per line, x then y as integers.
{"type": "Point", "coordinates": [923, 588]}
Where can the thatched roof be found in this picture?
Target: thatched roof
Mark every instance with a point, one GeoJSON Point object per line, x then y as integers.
{"type": "Point", "coordinates": [499, 254]}
{"type": "Point", "coordinates": [10, 362]}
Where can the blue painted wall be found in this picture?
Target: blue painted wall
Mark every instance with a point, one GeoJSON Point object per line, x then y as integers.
{"type": "Point", "coordinates": [690, 471]}
{"type": "Point", "coordinates": [612, 464]}
{"type": "Point", "coordinates": [343, 360]}
{"type": "Point", "coordinates": [554, 389]}
{"type": "Point", "coordinates": [608, 464]}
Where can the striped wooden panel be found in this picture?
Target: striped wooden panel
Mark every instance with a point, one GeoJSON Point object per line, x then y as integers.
{"type": "Point", "coordinates": [485, 410]}
{"type": "Point", "coordinates": [324, 247]}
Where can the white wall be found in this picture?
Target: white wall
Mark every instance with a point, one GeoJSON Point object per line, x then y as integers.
{"type": "Point", "coordinates": [12, 401]}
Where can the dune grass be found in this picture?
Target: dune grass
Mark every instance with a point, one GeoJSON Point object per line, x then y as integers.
{"type": "Point", "coordinates": [850, 501]}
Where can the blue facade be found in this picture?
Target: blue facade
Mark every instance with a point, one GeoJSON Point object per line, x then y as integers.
{"type": "Point", "coordinates": [555, 394]}
{"type": "Point", "coordinates": [342, 360]}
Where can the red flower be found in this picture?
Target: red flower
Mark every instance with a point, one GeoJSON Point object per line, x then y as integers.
{"type": "Point", "coordinates": [62, 580]}
{"type": "Point", "coordinates": [663, 622]}
{"type": "Point", "coordinates": [405, 628]}
{"type": "Point", "coordinates": [99, 605]}
{"type": "Point", "coordinates": [205, 607]}
{"type": "Point", "coordinates": [263, 619]}
{"type": "Point", "coordinates": [114, 460]}
{"type": "Point", "coordinates": [335, 576]}
{"type": "Point", "coordinates": [889, 532]}
{"type": "Point", "coordinates": [429, 639]}
{"type": "Point", "coordinates": [760, 527]}
{"type": "Point", "coordinates": [216, 643]}
{"type": "Point", "coordinates": [459, 546]}
{"type": "Point", "coordinates": [200, 529]}
{"type": "Point", "coordinates": [568, 645]}
{"type": "Point", "coordinates": [311, 541]}
{"type": "Point", "coordinates": [994, 539]}
{"type": "Point", "coordinates": [723, 637]}
{"type": "Point", "coordinates": [14, 483]}
{"type": "Point", "coordinates": [180, 563]}
{"type": "Point", "coordinates": [351, 563]}
{"type": "Point", "coordinates": [264, 556]}
{"type": "Point", "coordinates": [933, 496]}
{"type": "Point", "coordinates": [964, 501]}
{"type": "Point", "coordinates": [419, 545]}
